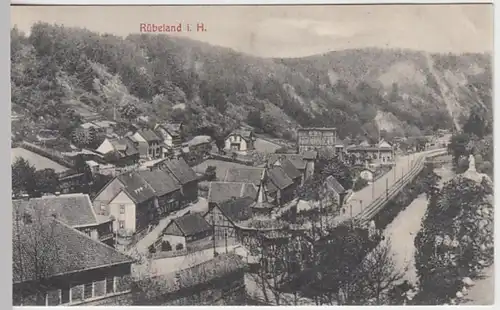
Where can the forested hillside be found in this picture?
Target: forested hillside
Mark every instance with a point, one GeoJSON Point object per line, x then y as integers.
{"type": "Point", "coordinates": [57, 72]}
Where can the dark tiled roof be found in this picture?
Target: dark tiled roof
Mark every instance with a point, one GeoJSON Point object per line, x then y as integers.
{"type": "Point", "coordinates": [245, 134]}
{"type": "Point", "coordinates": [181, 170]}
{"type": "Point", "coordinates": [244, 175]}
{"type": "Point", "coordinates": [278, 176]}
{"type": "Point", "coordinates": [239, 209]}
{"type": "Point", "coordinates": [310, 155]}
{"type": "Point", "coordinates": [172, 128]}
{"type": "Point", "coordinates": [161, 181]}
{"type": "Point", "coordinates": [290, 169]}
{"type": "Point", "coordinates": [65, 250]}
{"type": "Point", "coordinates": [124, 146]}
{"type": "Point", "coordinates": [334, 185]}
{"type": "Point", "coordinates": [149, 135]}
{"type": "Point", "coordinates": [222, 191]}
{"type": "Point", "coordinates": [73, 209]}
{"type": "Point", "coordinates": [136, 187]}
{"type": "Point", "coordinates": [296, 159]}
{"type": "Point", "coordinates": [191, 224]}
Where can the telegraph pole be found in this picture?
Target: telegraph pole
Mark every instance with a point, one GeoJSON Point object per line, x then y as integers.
{"type": "Point", "coordinates": [361, 204]}
{"type": "Point", "coordinates": [373, 189]}
{"type": "Point", "coordinates": [386, 189]}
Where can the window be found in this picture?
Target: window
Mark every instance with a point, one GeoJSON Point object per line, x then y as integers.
{"type": "Point", "coordinates": [65, 296]}
{"type": "Point", "coordinates": [110, 285]}
{"type": "Point", "coordinates": [122, 224]}
{"type": "Point", "coordinates": [122, 209]}
{"type": "Point", "coordinates": [87, 291]}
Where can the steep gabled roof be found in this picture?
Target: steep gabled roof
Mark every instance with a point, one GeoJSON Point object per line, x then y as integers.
{"type": "Point", "coordinates": [279, 178]}
{"type": "Point", "coordinates": [136, 187]}
{"type": "Point", "coordinates": [149, 135]}
{"type": "Point", "coordinates": [180, 170]}
{"type": "Point", "coordinates": [65, 250]}
{"type": "Point", "coordinates": [191, 224]}
{"type": "Point", "coordinates": [310, 155]}
{"type": "Point", "coordinates": [238, 209]}
{"type": "Point", "coordinates": [244, 175]}
{"type": "Point", "coordinates": [291, 171]}
{"type": "Point", "coordinates": [245, 134]}
{"type": "Point", "coordinates": [296, 159]}
{"type": "Point", "coordinates": [73, 209]}
{"type": "Point", "coordinates": [160, 181]}
{"type": "Point", "coordinates": [334, 185]}
{"type": "Point", "coordinates": [222, 191]}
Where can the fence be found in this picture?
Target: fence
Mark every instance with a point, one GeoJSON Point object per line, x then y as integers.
{"type": "Point", "coordinates": [378, 203]}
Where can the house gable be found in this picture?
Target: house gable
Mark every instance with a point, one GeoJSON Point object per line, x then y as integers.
{"type": "Point", "coordinates": [138, 137]}
{"type": "Point", "coordinates": [105, 147]}
{"type": "Point", "coordinates": [173, 229]}
{"type": "Point", "coordinates": [109, 192]}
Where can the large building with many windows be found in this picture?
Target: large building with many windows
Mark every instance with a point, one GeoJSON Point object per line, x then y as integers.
{"type": "Point", "coordinates": [317, 139]}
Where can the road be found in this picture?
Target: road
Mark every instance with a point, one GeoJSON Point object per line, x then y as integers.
{"type": "Point", "coordinates": [142, 245]}
{"type": "Point", "coordinates": [367, 195]}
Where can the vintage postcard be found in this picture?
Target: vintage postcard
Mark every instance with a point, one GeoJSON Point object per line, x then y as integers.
{"type": "Point", "coordinates": [252, 155]}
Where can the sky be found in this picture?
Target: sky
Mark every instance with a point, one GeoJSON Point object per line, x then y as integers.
{"type": "Point", "coordinates": [291, 31]}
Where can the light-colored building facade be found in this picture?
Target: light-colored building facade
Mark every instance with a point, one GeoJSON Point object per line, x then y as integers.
{"type": "Point", "coordinates": [317, 139]}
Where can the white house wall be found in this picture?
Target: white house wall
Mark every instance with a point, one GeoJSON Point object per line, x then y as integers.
{"type": "Point", "coordinates": [236, 139]}
{"type": "Point", "coordinates": [128, 217]}
{"type": "Point", "coordinates": [109, 192]}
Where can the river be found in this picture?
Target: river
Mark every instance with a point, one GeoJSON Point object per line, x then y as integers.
{"type": "Point", "coordinates": [403, 230]}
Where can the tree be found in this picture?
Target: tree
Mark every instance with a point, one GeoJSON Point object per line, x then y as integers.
{"type": "Point", "coordinates": [336, 168]}
{"type": "Point", "coordinates": [210, 173]}
{"type": "Point", "coordinates": [23, 177]}
{"type": "Point", "coordinates": [129, 111]}
{"type": "Point", "coordinates": [476, 124]}
{"type": "Point", "coordinates": [458, 146]}
{"type": "Point", "coordinates": [376, 276]}
{"type": "Point", "coordinates": [35, 255]}
{"type": "Point", "coordinates": [87, 178]}
{"type": "Point", "coordinates": [335, 259]}
{"type": "Point", "coordinates": [359, 184]}
{"type": "Point", "coordinates": [254, 119]}
{"type": "Point", "coordinates": [47, 181]}
{"type": "Point", "coordinates": [456, 239]}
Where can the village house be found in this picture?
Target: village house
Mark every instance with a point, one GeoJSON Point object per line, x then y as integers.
{"type": "Point", "coordinates": [225, 216]}
{"type": "Point", "coordinates": [124, 151]}
{"type": "Point", "coordinates": [252, 175]}
{"type": "Point", "coordinates": [380, 154]}
{"type": "Point", "coordinates": [54, 264]}
{"type": "Point", "coordinates": [219, 192]}
{"type": "Point", "coordinates": [184, 231]}
{"type": "Point", "coordinates": [279, 187]}
{"type": "Point", "coordinates": [171, 133]}
{"type": "Point", "coordinates": [185, 176]}
{"type": "Point", "coordinates": [75, 210]}
{"type": "Point", "coordinates": [239, 141]}
{"type": "Point", "coordinates": [336, 189]}
{"type": "Point", "coordinates": [298, 161]}
{"type": "Point", "coordinates": [317, 139]}
{"type": "Point", "coordinates": [290, 170]}
{"type": "Point", "coordinates": [137, 199]}
{"type": "Point", "coordinates": [148, 143]}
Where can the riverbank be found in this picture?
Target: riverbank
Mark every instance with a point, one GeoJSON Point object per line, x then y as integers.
{"type": "Point", "coordinates": [404, 228]}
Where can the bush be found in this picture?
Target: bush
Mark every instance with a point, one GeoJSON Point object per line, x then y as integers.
{"type": "Point", "coordinates": [179, 247]}
{"type": "Point", "coordinates": [360, 184]}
